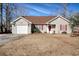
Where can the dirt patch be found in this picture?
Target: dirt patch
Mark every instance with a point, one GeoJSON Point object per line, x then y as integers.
{"type": "Point", "coordinates": [42, 44]}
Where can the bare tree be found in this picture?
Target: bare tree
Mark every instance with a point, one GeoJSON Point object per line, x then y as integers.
{"type": "Point", "coordinates": [7, 26]}
{"type": "Point", "coordinates": [9, 9]}
{"type": "Point", "coordinates": [1, 25]}
{"type": "Point", "coordinates": [64, 9]}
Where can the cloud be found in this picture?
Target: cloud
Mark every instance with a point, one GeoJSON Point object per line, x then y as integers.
{"type": "Point", "coordinates": [38, 8]}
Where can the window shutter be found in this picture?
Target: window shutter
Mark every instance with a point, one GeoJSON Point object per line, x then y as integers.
{"type": "Point", "coordinates": [66, 27]}
{"type": "Point", "coordinates": [60, 27]}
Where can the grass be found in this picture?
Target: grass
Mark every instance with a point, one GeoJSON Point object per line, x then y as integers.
{"type": "Point", "coordinates": [41, 45]}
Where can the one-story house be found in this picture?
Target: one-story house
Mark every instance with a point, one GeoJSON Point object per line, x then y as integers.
{"type": "Point", "coordinates": [45, 24]}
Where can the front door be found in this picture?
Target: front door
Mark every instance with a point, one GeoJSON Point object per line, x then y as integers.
{"type": "Point", "coordinates": [52, 28]}
{"type": "Point", "coordinates": [49, 27]}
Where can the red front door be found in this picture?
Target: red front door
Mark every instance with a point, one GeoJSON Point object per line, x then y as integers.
{"type": "Point", "coordinates": [49, 27]}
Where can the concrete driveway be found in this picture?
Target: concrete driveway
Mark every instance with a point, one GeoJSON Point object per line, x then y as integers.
{"type": "Point", "coordinates": [4, 38]}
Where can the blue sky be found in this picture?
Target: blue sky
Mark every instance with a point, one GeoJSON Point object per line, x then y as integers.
{"type": "Point", "coordinates": [44, 9]}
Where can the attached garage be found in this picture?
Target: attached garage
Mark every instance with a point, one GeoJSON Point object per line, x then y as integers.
{"type": "Point", "coordinates": [21, 26]}
{"type": "Point", "coordinates": [22, 29]}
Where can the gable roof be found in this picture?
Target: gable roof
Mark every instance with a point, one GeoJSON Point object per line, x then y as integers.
{"type": "Point", "coordinates": [19, 19]}
{"type": "Point", "coordinates": [39, 19]}
{"type": "Point", "coordinates": [58, 17]}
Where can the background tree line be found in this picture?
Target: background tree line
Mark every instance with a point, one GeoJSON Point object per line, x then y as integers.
{"type": "Point", "coordinates": [5, 26]}
{"type": "Point", "coordinates": [5, 20]}
{"type": "Point", "coordinates": [73, 16]}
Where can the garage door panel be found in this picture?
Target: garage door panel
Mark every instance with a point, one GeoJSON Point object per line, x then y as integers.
{"type": "Point", "coordinates": [22, 29]}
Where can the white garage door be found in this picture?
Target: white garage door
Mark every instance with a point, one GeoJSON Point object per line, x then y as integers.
{"type": "Point", "coordinates": [22, 29]}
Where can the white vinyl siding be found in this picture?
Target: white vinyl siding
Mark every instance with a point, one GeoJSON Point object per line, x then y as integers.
{"type": "Point", "coordinates": [21, 27]}
{"type": "Point", "coordinates": [58, 22]}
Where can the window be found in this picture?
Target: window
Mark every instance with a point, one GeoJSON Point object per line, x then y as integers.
{"type": "Point", "coordinates": [53, 26]}
{"type": "Point", "coordinates": [42, 26]}
{"type": "Point", "coordinates": [63, 27]}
